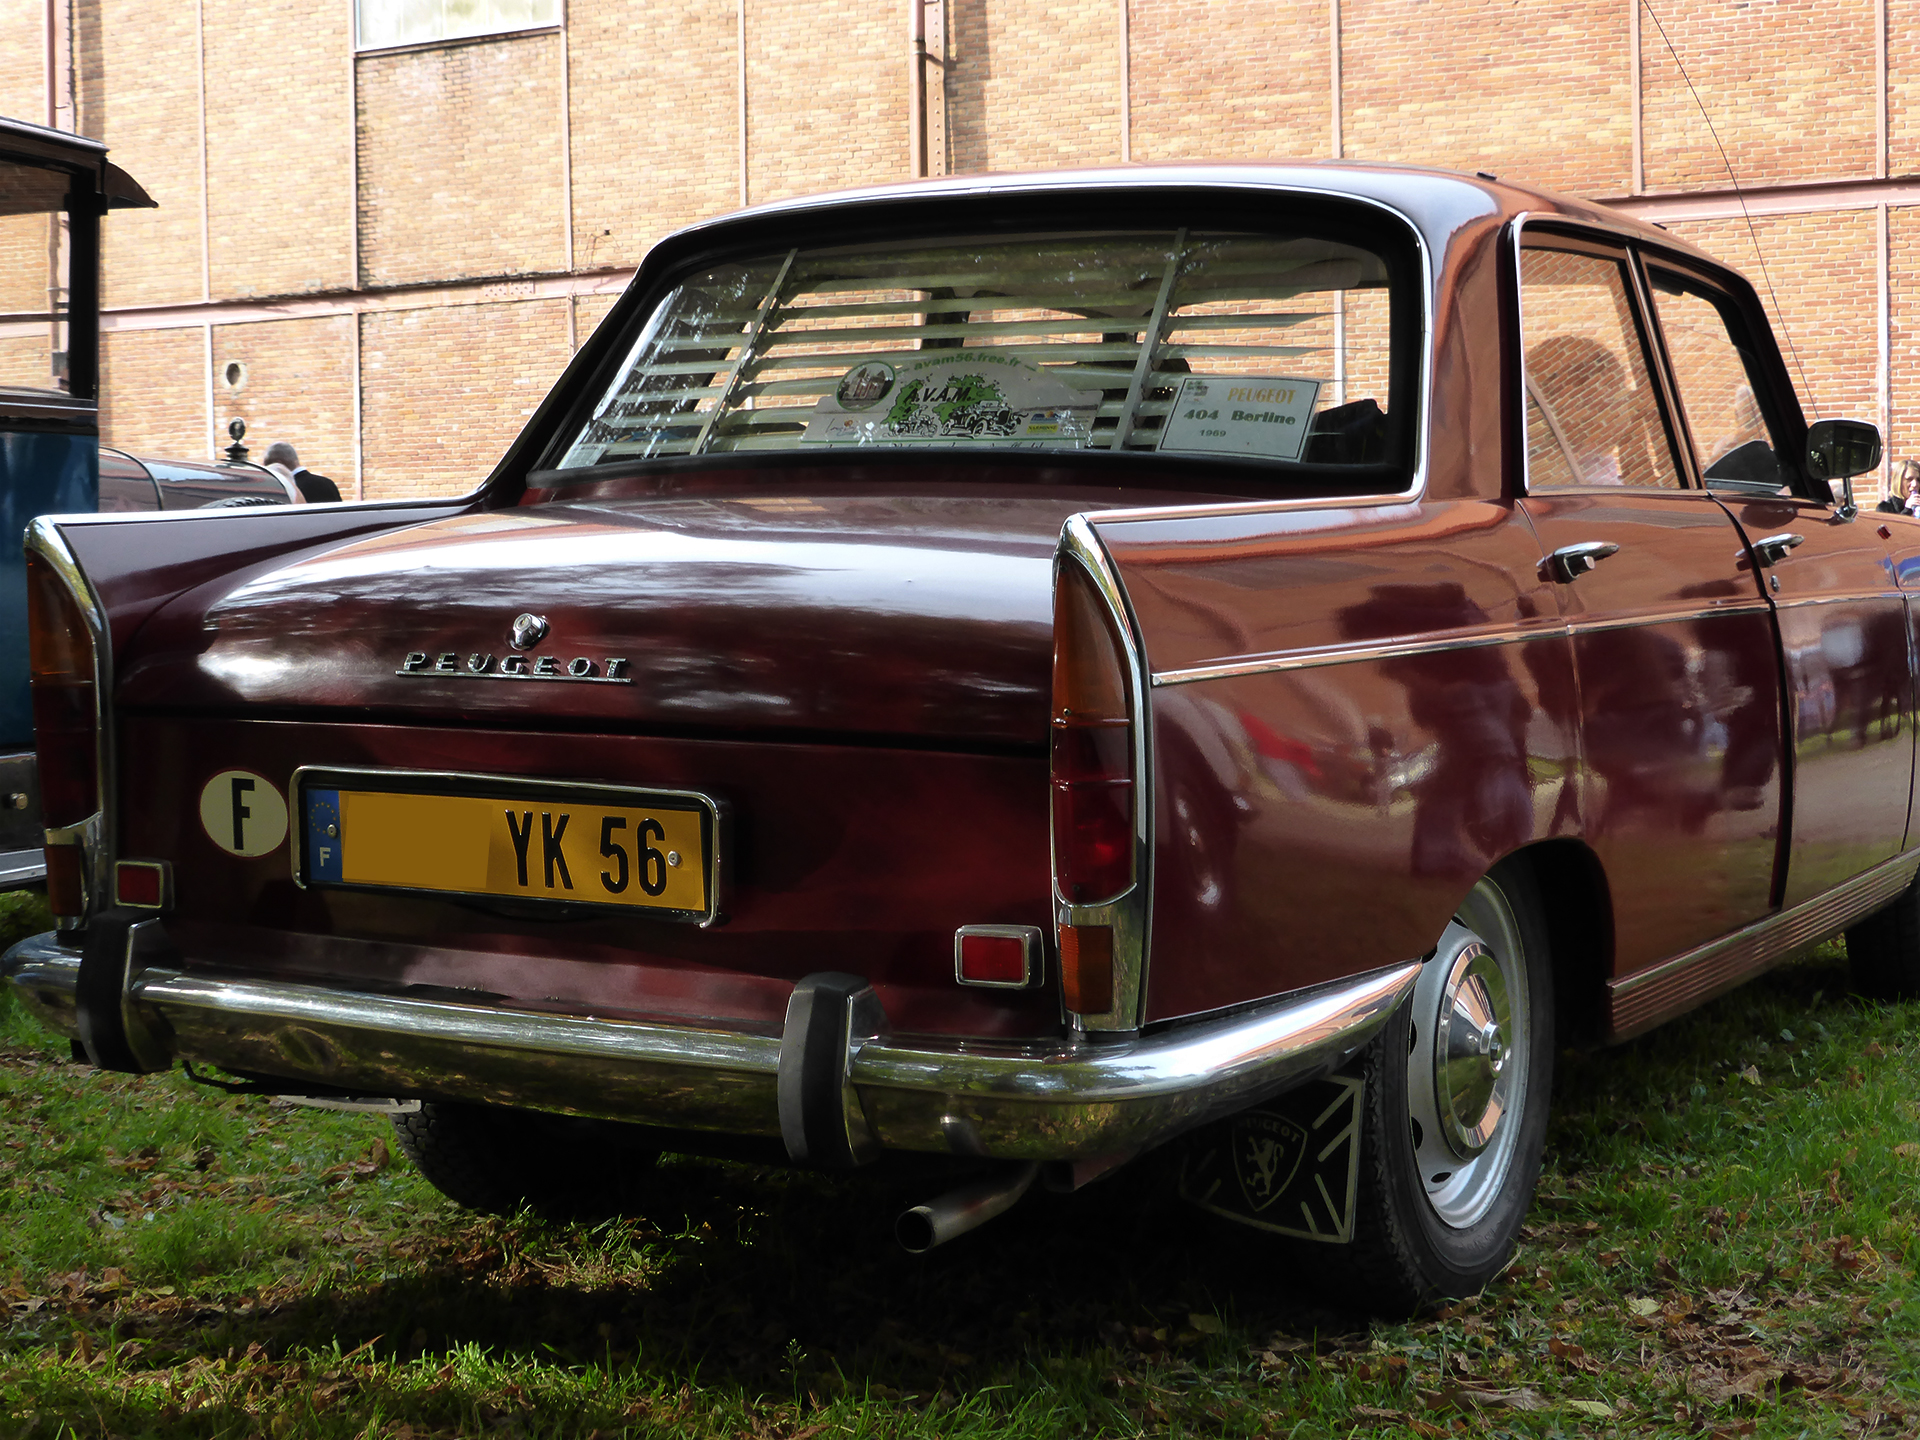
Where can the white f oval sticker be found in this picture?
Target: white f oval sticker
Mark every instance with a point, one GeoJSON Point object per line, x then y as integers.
{"type": "Point", "coordinates": [242, 813]}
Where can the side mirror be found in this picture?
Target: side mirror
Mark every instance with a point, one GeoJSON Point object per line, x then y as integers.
{"type": "Point", "coordinates": [1839, 450]}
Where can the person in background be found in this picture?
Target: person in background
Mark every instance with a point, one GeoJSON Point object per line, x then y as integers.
{"type": "Point", "coordinates": [1894, 502]}
{"type": "Point", "coordinates": [1907, 487]}
{"type": "Point", "coordinates": [284, 461]}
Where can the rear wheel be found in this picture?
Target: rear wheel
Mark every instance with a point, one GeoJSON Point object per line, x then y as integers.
{"type": "Point", "coordinates": [1884, 949]}
{"type": "Point", "coordinates": [497, 1160]}
{"type": "Point", "coordinates": [1454, 1112]}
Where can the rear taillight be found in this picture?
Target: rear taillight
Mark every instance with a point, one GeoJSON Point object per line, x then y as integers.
{"type": "Point", "coordinates": [65, 723]}
{"type": "Point", "coordinates": [1092, 747]}
{"type": "Point", "coordinates": [1093, 786]}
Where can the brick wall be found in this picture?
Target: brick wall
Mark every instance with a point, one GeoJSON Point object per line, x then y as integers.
{"type": "Point", "coordinates": [1903, 265]}
{"type": "Point", "coordinates": [1788, 84]}
{"type": "Point", "coordinates": [445, 390]}
{"type": "Point", "coordinates": [826, 93]}
{"type": "Point", "coordinates": [1540, 91]}
{"type": "Point", "coordinates": [298, 387]}
{"type": "Point", "coordinates": [1032, 85]}
{"type": "Point", "coordinates": [460, 161]}
{"type": "Point", "coordinates": [138, 71]}
{"type": "Point", "coordinates": [278, 86]}
{"type": "Point", "coordinates": [655, 122]}
{"type": "Point", "coordinates": [23, 83]}
{"type": "Point", "coordinates": [1903, 86]}
{"type": "Point", "coordinates": [462, 171]}
{"type": "Point", "coordinates": [153, 393]}
{"type": "Point", "coordinates": [1213, 82]}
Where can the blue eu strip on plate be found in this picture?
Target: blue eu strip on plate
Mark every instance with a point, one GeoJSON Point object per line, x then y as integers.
{"type": "Point", "coordinates": [323, 836]}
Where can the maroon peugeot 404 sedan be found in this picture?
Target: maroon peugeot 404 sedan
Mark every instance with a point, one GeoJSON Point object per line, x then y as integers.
{"type": "Point", "coordinates": [1025, 670]}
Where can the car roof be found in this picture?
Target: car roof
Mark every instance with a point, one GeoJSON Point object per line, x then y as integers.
{"type": "Point", "coordinates": [1434, 200]}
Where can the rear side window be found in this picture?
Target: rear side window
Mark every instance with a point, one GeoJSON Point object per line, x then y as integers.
{"type": "Point", "coordinates": [1267, 347]}
{"type": "Point", "coordinates": [1592, 415]}
{"type": "Point", "coordinates": [1716, 372]}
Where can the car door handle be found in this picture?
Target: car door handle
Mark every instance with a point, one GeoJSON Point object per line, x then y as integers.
{"type": "Point", "coordinates": [1570, 562]}
{"type": "Point", "coordinates": [1775, 547]}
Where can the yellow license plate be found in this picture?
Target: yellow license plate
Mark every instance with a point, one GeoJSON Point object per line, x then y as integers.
{"type": "Point", "coordinates": [579, 845]}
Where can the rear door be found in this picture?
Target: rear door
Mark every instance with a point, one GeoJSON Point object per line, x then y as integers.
{"type": "Point", "coordinates": [1830, 578]}
{"type": "Point", "coordinates": [1680, 782]}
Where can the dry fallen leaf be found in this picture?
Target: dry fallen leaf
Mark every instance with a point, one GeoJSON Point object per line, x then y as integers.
{"type": "Point", "coordinates": [1907, 1151]}
{"type": "Point", "coordinates": [1643, 1305]}
{"type": "Point", "coordinates": [1751, 1074]}
{"type": "Point", "coordinates": [1590, 1407]}
{"type": "Point", "coordinates": [1206, 1324]}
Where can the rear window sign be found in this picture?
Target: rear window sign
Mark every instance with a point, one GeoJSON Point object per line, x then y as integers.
{"type": "Point", "coordinates": [1264, 415]}
{"type": "Point", "coordinates": [955, 396]}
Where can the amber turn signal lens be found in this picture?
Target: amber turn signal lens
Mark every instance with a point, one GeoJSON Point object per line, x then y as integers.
{"type": "Point", "coordinates": [1086, 968]}
{"type": "Point", "coordinates": [66, 894]}
{"type": "Point", "coordinates": [60, 649]}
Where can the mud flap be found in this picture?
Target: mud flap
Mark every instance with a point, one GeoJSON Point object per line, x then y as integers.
{"type": "Point", "coordinates": [1291, 1165]}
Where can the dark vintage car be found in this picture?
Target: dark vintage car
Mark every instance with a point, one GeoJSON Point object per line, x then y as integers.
{"type": "Point", "coordinates": [1022, 670]}
{"type": "Point", "coordinates": [55, 189]}
{"type": "Point", "coordinates": [122, 485]}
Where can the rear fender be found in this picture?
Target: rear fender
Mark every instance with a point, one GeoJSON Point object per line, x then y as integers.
{"type": "Point", "coordinates": [1355, 711]}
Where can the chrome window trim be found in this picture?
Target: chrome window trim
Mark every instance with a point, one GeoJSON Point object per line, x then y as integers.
{"type": "Point", "coordinates": [1129, 914]}
{"type": "Point", "coordinates": [718, 879]}
{"type": "Point", "coordinates": [1032, 951]}
{"type": "Point", "coordinates": [97, 834]}
{"type": "Point", "coordinates": [1124, 180]}
{"type": "Point", "coordinates": [1652, 353]}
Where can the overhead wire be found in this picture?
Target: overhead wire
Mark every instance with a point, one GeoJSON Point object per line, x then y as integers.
{"type": "Point", "coordinates": [1740, 196]}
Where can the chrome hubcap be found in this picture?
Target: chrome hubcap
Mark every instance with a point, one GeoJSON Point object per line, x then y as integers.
{"type": "Point", "coordinates": [1467, 1059]}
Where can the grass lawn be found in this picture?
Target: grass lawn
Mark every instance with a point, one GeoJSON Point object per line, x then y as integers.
{"type": "Point", "coordinates": [1724, 1244]}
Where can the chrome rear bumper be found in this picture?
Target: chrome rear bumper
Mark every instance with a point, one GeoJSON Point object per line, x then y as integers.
{"type": "Point", "coordinates": [1048, 1099]}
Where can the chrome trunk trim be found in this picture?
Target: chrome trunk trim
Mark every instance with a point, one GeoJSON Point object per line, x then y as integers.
{"type": "Point", "coordinates": [96, 833]}
{"type": "Point", "coordinates": [1051, 1099]}
{"type": "Point", "coordinates": [1129, 914]}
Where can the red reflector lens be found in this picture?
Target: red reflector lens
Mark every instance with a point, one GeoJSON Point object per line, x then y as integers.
{"type": "Point", "coordinates": [1086, 968]}
{"type": "Point", "coordinates": [66, 894]}
{"type": "Point", "coordinates": [141, 883]}
{"type": "Point", "coordinates": [993, 960]}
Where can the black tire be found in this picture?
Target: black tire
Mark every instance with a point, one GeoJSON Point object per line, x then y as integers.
{"type": "Point", "coordinates": [1430, 1224]}
{"type": "Point", "coordinates": [1883, 950]}
{"type": "Point", "coordinates": [497, 1160]}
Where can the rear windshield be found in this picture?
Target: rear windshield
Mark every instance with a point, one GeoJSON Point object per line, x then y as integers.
{"type": "Point", "coordinates": [1273, 348]}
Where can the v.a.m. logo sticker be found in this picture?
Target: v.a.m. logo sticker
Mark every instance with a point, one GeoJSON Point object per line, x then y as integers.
{"type": "Point", "coordinates": [1291, 1165]}
{"type": "Point", "coordinates": [1267, 1150]}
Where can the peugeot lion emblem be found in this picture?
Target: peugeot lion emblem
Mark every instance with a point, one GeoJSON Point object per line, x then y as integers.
{"type": "Point", "coordinates": [528, 631]}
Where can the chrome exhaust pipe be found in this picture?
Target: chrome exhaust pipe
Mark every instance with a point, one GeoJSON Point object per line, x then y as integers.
{"type": "Point", "coordinates": [964, 1209]}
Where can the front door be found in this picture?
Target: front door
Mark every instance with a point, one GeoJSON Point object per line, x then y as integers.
{"type": "Point", "coordinates": [1839, 611]}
